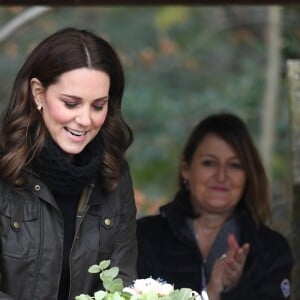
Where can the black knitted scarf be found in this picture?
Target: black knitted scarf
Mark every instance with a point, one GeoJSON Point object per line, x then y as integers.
{"type": "Point", "coordinates": [63, 176]}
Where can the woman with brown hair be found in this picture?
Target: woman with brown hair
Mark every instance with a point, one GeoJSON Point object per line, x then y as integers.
{"type": "Point", "coordinates": [66, 197]}
{"type": "Point", "coordinates": [213, 237]}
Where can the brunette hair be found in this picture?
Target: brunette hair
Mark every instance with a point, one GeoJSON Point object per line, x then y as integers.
{"type": "Point", "coordinates": [233, 131]}
{"type": "Point", "coordinates": [22, 129]}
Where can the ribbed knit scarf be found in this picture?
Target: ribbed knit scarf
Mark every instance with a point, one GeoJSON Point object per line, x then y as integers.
{"type": "Point", "coordinates": [63, 176]}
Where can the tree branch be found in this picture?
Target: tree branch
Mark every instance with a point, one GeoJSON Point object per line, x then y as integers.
{"type": "Point", "coordinates": [21, 19]}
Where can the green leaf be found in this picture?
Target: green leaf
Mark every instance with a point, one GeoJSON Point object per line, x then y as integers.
{"type": "Point", "coordinates": [167, 297]}
{"type": "Point", "coordinates": [104, 264]}
{"type": "Point", "coordinates": [151, 296]}
{"type": "Point", "coordinates": [100, 295]}
{"type": "Point", "coordinates": [116, 285]}
{"type": "Point", "coordinates": [117, 296]}
{"type": "Point", "coordinates": [94, 269]}
{"type": "Point", "coordinates": [128, 296]}
{"type": "Point", "coordinates": [182, 294]}
{"type": "Point", "coordinates": [83, 297]}
{"type": "Point", "coordinates": [109, 275]}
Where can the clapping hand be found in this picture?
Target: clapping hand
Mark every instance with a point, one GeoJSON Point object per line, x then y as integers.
{"type": "Point", "coordinates": [228, 269]}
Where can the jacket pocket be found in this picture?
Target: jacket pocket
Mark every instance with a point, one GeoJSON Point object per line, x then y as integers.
{"type": "Point", "coordinates": [19, 228]}
{"type": "Point", "coordinates": [99, 231]}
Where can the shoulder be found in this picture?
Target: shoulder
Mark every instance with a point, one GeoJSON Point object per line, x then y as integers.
{"type": "Point", "coordinates": [272, 248]}
{"type": "Point", "coordinates": [149, 220]}
{"type": "Point", "coordinates": [125, 174]}
{"type": "Point", "coordinates": [274, 240]}
{"type": "Point", "coordinates": [7, 191]}
{"type": "Point", "coordinates": [150, 225]}
{"type": "Point", "coordinates": [263, 234]}
{"type": "Point", "coordinates": [265, 241]}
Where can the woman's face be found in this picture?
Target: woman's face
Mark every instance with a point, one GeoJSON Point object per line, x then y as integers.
{"type": "Point", "coordinates": [74, 108]}
{"type": "Point", "coordinates": [216, 177]}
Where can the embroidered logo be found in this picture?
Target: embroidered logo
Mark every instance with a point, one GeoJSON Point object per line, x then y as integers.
{"type": "Point", "coordinates": [285, 287]}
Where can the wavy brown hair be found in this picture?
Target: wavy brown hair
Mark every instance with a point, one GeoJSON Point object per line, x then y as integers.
{"type": "Point", "coordinates": [22, 128]}
{"type": "Point", "coordinates": [233, 131]}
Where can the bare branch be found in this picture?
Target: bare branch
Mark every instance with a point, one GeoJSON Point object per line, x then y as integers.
{"type": "Point", "coordinates": [21, 19]}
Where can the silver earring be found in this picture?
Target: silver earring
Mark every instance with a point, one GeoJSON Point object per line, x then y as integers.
{"type": "Point", "coordinates": [39, 107]}
{"type": "Point", "coordinates": [186, 184]}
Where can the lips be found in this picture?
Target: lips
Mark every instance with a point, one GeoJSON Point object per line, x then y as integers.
{"type": "Point", "coordinates": [76, 132]}
{"type": "Point", "coordinates": [219, 188]}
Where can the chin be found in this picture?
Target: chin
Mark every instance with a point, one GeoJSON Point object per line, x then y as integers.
{"type": "Point", "coordinates": [72, 150]}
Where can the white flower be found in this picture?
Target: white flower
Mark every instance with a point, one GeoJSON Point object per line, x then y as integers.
{"type": "Point", "coordinates": [148, 288]}
{"type": "Point", "coordinates": [143, 286]}
{"type": "Point", "coordinates": [165, 289]}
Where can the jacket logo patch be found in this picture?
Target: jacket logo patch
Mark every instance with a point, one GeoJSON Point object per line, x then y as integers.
{"type": "Point", "coordinates": [285, 287]}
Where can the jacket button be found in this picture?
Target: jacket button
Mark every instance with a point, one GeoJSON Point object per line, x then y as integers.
{"type": "Point", "coordinates": [16, 225]}
{"type": "Point", "coordinates": [107, 221]}
{"type": "Point", "coordinates": [37, 187]}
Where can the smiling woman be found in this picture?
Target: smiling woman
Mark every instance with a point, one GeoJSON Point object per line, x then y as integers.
{"type": "Point", "coordinates": [64, 178]}
{"type": "Point", "coordinates": [74, 108]}
{"type": "Point", "coordinates": [213, 237]}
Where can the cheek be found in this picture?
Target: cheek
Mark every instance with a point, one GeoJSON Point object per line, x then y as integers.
{"type": "Point", "coordinates": [240, 184]}
{"type": "Point", "coordinates": [242, 181]}
{"type": "Point", "coordinates": [56, 112]}
{"type": "Point", "coordinates": [99, 119]}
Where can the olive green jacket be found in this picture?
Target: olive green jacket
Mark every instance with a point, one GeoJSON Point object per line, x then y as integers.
{"type": "Point", "coordinates": [31, 239]}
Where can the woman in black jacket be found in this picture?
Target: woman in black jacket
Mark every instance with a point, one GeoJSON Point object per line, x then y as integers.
{"type": "Point", "coordinates": [213, 237]}
{"type": "Point", "coordinates": [66, 197]}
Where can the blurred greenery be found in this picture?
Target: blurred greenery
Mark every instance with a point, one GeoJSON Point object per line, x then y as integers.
{"type": "Point", "coordinates": [181, 63]}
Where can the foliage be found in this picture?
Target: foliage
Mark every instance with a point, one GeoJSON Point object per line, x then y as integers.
{"type": "Point", "coordinates": [181, 63]}
{"type": "Point", "coordinates": [143, 289]}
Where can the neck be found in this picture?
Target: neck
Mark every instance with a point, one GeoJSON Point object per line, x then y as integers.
{"type": "Point", "coordinates": [210, 222]}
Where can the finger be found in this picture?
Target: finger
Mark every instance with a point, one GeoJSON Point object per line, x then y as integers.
{"type": "Point", "coordinates": [232, 273]}
{"type": "Point", "coordinates": [233, 245]}
{"type": "Point", "coordinates": [242, 253]}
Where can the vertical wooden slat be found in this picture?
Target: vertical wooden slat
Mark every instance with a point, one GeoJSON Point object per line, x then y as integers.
{"type": "Point", "coordinates": [293, 71]}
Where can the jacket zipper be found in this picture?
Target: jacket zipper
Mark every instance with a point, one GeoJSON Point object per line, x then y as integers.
{"type": "Point", "coordinates": [83, 207]}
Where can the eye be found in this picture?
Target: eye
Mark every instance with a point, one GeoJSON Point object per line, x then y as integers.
{"type": "Point", "coordinates": [98, 107]}
{"type": "Point", "coordinates": [70, 104]}
{"type": "Point", "coordinates": [208, 163]}
{"type": "Point", "coordinates": [236, 165]}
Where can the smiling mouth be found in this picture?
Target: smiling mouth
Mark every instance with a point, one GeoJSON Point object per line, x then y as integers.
{"type": "Point", "coordinates": [76, 132]}
{"type": "Point", "coordinates": [221, 189]}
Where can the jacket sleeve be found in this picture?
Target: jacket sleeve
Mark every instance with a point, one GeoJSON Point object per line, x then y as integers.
{"type": "Point", "coordinates": [125, 250]}
{"type": "Point", "coordinates": [5, 297]}
{"type": "Point", "coordinates": [269, 277]}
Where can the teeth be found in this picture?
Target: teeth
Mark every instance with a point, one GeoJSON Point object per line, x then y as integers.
{"type": "Point", "coordinates": [75, 132]}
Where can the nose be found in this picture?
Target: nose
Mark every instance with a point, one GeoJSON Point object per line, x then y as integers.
{"type": "Point", "coordinates": [83, 118]}
{"type": "Point", "coordinates": [221, 173]}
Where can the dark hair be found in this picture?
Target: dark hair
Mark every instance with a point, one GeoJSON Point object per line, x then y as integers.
{"type": "Point", "coordinates": [22, 130]}
{"type": "Point", "coordinates": [232, 129]}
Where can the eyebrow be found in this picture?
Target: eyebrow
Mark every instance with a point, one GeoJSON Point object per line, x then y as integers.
{"type": "Point", "coordinates": [214, 156]}
{"type": "Point", "coordinates": [105, 98]}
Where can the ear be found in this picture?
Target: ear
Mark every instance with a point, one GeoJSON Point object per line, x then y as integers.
{"type": "Point", "coordinates": [184, 170]}
{"type": "Point", "coordinates": [38, 91]}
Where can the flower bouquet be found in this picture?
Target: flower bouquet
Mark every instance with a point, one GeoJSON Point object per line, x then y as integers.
{"type": "Point", "coordinates": [142, 289]}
